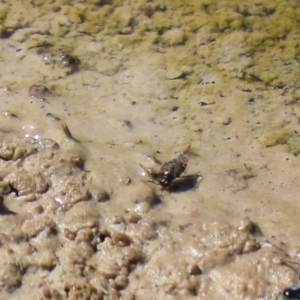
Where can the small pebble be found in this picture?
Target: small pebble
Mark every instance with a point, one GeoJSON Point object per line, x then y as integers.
{"type": "Point", "coordinates": [38, 91]}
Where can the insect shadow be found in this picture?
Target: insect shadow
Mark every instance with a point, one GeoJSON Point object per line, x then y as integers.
{"type": "Point", "coordinates": [4, 210]}
{"type": "Point", "coordinates": [185, 183]}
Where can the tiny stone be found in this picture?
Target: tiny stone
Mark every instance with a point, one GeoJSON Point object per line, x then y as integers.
{"type": "Point", "coordinates": [227, 121]}
{"type": "Point", "coordinates": [69, 234]}
{"type": "Point", "coordinates": [125, 180]}
{"type": "Point", "coordinates": [84, 235]}
{"type": "Point", "coordinates": [195, 270]}
{"type": "Point", "coordinates": [47, 292]}
{"type": "Point", "coordinates": [101, 196]}
{"type": "Point", "coordinates": [38, 210]}
{"type": "Point", "coordinates": [127, 124]}
{"type": "Point", "coordinates": [9, 114]}
{"type": "Point", "coordinates": [203, 103]}
{"type": "Point", "coordinates": [38, 91]}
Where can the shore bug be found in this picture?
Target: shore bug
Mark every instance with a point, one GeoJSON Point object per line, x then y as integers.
{"type": "Point", "coordinates": [170, 171]}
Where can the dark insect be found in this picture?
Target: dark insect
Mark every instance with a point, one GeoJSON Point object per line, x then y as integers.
{"type": "Point", "coordinates": [172, 170]}
{"type": "Point", "coordinates": [292, 293]}
{"type": "Point", "coordinates": [169, 171]}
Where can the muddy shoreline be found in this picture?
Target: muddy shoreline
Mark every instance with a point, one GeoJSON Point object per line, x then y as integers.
{"type": "Point", "coordinates": [92, 91]}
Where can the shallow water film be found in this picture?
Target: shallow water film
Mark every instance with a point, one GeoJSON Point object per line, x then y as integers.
{"type": "Point", "coordinates": [149, 149]}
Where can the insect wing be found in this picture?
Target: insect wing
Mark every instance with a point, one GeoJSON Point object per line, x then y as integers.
{"type": "Point", "coordinates": [175, 167]}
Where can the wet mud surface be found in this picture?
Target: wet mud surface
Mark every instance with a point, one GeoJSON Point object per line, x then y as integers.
{"type": "Point", "coordinates": [63, 237]}
{"type": "Point", "coordinates": [96, 98]}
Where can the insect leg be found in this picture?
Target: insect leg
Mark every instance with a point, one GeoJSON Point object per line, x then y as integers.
{"type": "Point", "coordinates": [146, 170]}
{"type": "Point", "coordinates": [187, 148]}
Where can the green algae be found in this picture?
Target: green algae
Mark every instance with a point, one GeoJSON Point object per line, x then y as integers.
{"type": "Point", "coordinates": [268, 29]}
{"type": "Point", "coordinates": [273, 135]}
{"type": "Point", "coordinates": [249, 22]}
{"type": "Point", "coordinates": [75, 14]}
{"type": "Point", "coordinates": [294, 144]}
{"type": "Point", "coordinates": [161, 23]}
